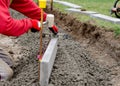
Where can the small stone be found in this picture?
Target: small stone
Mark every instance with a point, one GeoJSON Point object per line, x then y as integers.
{"type": "Point", "coordinates": [11, 52]}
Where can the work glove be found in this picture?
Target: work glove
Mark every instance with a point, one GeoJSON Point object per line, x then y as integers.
{"type": "Point", "coordinates": [35, 25]}
{"type": "Point", "coordinates": [51, 26]}
{"type": "Point", "coordinates": [54, 29]}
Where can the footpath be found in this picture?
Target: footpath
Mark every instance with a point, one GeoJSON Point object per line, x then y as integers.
{"type": "Point", "coordinates": [77, 9]}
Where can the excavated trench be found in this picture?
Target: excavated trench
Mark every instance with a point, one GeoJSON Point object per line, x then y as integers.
{"type": "Point", "coordinates": [87, 56]}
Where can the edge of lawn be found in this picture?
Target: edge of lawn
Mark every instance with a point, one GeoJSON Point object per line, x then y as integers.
{"type": "Point", "coordinates": [86, 18]}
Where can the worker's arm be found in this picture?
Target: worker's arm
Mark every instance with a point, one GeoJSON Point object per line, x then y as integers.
{"type": "Point", "coordinates": [10, 26]}
{"type": "Point", "coordinates": [28, 8]}
{"type": "Point", "coordinates": [14, 27]}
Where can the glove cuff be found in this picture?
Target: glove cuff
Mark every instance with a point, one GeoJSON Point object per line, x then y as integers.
{"type": "Point", "coordinates": [36, 24]}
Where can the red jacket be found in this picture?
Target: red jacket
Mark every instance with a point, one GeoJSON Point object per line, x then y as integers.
{"type": "Point", "coordinates": [14, 27]}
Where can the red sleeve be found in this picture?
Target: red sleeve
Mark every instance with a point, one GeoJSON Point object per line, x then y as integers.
{"type": "Point", "coordinates": [10, 26]}
{"type": "Point", "coordinates": [28, 8]}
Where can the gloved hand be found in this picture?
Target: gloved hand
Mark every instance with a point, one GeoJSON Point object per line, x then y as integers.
{"type": "Point", "coordinates": [35, 25]}
{"type": "Point", "coordinates": [51, 26]}
{"type": "Point", "coordinates": [54, 29]}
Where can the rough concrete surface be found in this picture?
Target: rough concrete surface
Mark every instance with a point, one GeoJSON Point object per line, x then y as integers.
{"type": "Point", "coordinates": [87, 56]}
{"type": "Point", "coordinates": [47, 62]}
{"type": "Point", "coordinates": [80, 11]}
{"type": "Point", "coordinates": [106, 18]}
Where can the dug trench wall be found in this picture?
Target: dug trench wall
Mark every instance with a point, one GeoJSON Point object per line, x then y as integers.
{"type": "Point", "coordinates": [89, 33]}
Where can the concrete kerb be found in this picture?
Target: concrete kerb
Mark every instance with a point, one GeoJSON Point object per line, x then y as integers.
{"type": "Point", "coordinates": [81, 12]}
{"type": "Point", "coordinates": [47, 62]}
{"type": "Point", "coordinates": [95, 15]}
{"type": "Point", "coordinates": [67, 4]}
{"type": "Point", "coordinates": [106, 18]}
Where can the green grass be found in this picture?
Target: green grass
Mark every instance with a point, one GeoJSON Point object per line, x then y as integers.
{"type": "Point", "coordinates": [97, 7]}
{"type": "Point", "coordinates": [36, 0]}
{"type": "Point", "coordinates": [60, 7]}
{"type": "Point", "coordinates": [101, 6]}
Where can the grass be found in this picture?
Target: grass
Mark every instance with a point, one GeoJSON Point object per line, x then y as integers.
{"type": "Point", "coordinates": [97, 7]}
{"type": "Point", "coordinates": [36, 0]}
{"type": "Point", "coordinates": [101, 6]}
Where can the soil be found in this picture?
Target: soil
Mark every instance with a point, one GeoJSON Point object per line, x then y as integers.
{"type": "Point", "coordinates": [87, 56]}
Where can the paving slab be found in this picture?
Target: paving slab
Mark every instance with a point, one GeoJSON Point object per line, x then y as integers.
{"type": "Point", "coordinates": [67, 4]}
{"type": "Point", "coordinates": [106, 18]}
{"type": "Point", "coordinates": [47, 62]}
{"type": "Point", "coordinates": [82, 12]}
